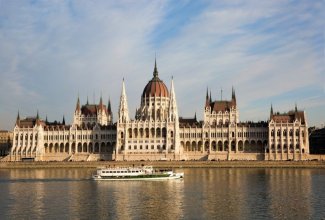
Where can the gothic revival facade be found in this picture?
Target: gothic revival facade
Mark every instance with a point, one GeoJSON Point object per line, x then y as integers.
{"type": "Point", "coordinates": [158, 133]}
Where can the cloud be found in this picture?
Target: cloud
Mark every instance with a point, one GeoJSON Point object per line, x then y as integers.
{"type": "Point", "coordinates": [51, 51]}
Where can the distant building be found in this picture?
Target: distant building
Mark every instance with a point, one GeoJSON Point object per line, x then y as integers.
{"type": "Point", "coordinates": [5, 142]}
{"type": "Point", "coordinates": [317, 141]}
{"type": "Point", "coordinates": [158, 133]}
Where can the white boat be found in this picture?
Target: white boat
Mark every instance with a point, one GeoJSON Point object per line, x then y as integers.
{"type": "Point", "coordinates": [135, 173]}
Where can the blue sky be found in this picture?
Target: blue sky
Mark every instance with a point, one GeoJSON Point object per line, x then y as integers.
{"type": "Point", "coordinates": [270, 51]}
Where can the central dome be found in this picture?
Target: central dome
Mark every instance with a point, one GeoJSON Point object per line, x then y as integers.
{"type": "Point", "coordinates": [155, 86]}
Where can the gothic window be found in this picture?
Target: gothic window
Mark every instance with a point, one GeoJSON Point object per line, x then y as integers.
{"type": "Point", "coordinates": [158, 132]}
{"type": "Point", "coordinates": [164, 132]}
{"type": "Point", "coordinates": [147, 132]}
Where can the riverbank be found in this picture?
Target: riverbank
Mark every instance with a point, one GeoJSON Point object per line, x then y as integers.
{"type": "Point", "coordinates": [167, 164]}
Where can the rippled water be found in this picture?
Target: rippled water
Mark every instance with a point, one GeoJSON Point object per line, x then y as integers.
{"type": "Point", "coordinates": [216, 193]}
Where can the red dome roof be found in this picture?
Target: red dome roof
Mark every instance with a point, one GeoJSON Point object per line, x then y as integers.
{"type": "Point", "coordinates": [155, 86]}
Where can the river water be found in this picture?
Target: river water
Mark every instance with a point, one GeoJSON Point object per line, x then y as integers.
{"type": "Point", "coordinates": [204, 193]}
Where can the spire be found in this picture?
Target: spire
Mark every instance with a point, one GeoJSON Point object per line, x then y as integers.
{"type": "Point", "coordinates": [63, 120]}
{"type": "Point", "coordinates": [46, 121]}
{"type": "Point", "coordinates": [78, 104]}
{"type": "Point", "coordinates": [207, 102]}
{"type": "Point", "coordinates": [173, 111]}
{"type": "Point", "coordinates": [123, 108]}
{"type": "Point", "coordinates": [101, 102]}
{"type": "Point", "coordinates": [210, 97]}
{"type": "Point", "coordinates": [87, 100]}
{"type": "Point", "coordinates": [155, 71]}
{"type": "Point", "coordinates": [109, 108]}
{"type": "Point", "coordinates": [296, 109]}
{"type": "Point", "coordinates": [37, 119]}
{"type": "Point", "coordinates": [195, 116]}
{"type": "Point", "coordinates": [271, 112]}
{"type": "Point", "coordinates": [233, 95]}
{"type": "Point", "coordinates": [18, 119]}
{"type": "Point", "coordinates": [207, 96]}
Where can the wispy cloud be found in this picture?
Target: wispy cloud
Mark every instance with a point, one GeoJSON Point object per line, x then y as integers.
{"type": "Point", "coordinates": [52, 50]}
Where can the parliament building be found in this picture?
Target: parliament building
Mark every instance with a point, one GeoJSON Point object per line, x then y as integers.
{"type": "Point", "coordinates": [158, 133]}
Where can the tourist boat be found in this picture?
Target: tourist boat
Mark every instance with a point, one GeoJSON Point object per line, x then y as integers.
{"type": "Point", "coordinates": [135, 173]}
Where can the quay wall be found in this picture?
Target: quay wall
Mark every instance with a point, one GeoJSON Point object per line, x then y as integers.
{"type": "Point", "coordinates": [167, 164]}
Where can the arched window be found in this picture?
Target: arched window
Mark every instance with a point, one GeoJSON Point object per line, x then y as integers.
{"type": "Point", "coordinates": [130, 132]}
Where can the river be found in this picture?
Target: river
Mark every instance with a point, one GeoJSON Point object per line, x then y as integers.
{"type": "Point", "coordinates": [204, 193]}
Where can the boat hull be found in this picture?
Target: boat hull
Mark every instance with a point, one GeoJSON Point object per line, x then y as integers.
{"type": "Point", "coordinates": [139, 178]}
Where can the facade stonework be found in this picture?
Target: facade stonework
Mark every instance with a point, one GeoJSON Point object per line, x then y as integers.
{"type": "Point", "coordinates": [158, 133]}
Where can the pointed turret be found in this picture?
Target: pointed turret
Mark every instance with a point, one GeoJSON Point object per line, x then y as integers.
{"type": "Point", "coordinates": [18, 119]}
{"type": "Point", "coordinates": [233, 97]}
{"type": "Point", "coordinates": [271, 111]}
{"type": "Point", "coordinates": [78, 105]}
{"type": "Point", "coordinates": [63, 120]}
{"type": "Point", "coordinates": [195, 116]}
{"type": "Point", "coordinates": [38, 121]}
{"type": "Point", "coordinates": [233, 94]}
{"type": "Point", "coordinates": [46, 121]}
{"type": "Point", "coordinates": [173, 110]}
{"type": "Point", "coordinates": [87, 100]}
{"type": "Point", "coordinates": [207, 101]}
{"type": "Point", "coordinates": [123, 112]}
{"type": "Point", "coordinates": [296, 109]}
{"type": "Point", "coordinates": [210, 97]}
{"type": "Point", "coordinates": [109, 108]}
{"type": "Point", "coordinates": [101, 106]}
{"type": "Point", "coordinates": [109, 112]}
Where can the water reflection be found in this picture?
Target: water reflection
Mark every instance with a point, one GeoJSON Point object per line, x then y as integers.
{"type": "Point", "coordinates": [290, 193]}
{"type": "Point", "coordinates": [203, 194]}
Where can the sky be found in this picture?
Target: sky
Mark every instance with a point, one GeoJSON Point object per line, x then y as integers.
{"type": "Point", "coordinates": [271, 52]}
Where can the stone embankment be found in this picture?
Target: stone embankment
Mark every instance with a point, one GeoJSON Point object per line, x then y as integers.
{"type": "Point", "coordinates": [167, 164]}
